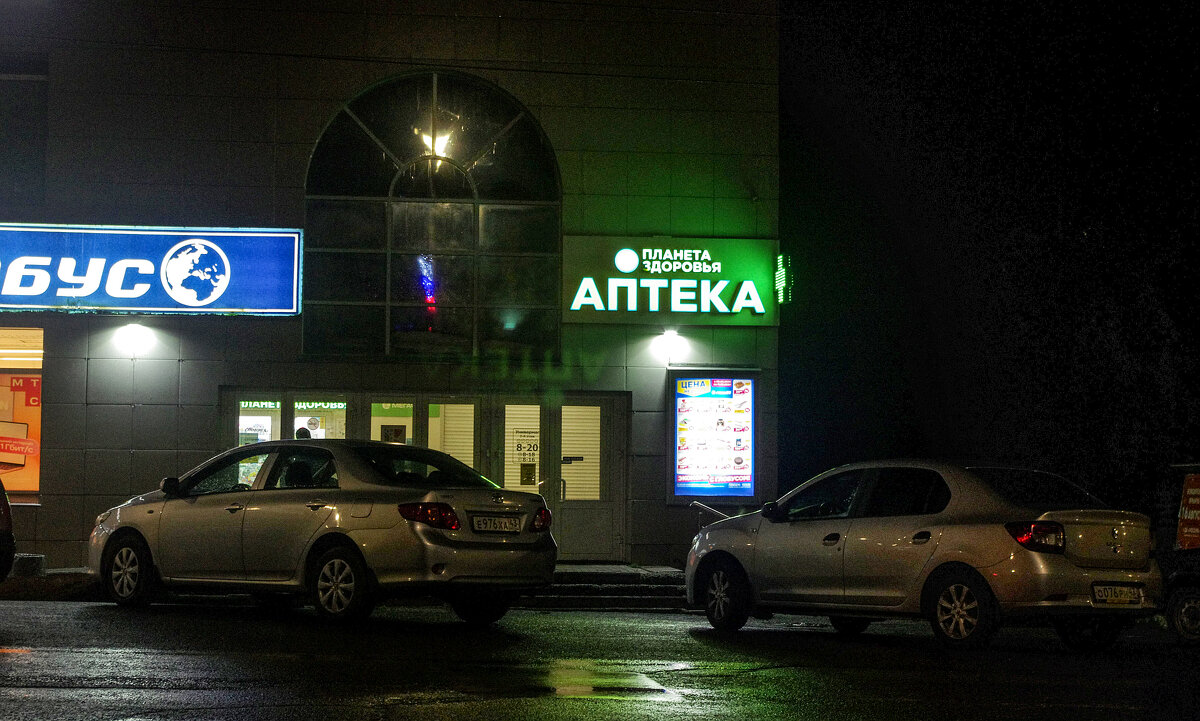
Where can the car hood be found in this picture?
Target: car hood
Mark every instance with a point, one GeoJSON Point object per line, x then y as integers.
{"type": "Point", "coordinates": [150, 497]}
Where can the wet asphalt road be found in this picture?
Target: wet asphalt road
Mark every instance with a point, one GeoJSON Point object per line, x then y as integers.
{"type": "Point", "coordinates": [66, 661]}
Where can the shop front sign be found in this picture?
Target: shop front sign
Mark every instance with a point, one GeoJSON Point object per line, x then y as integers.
{"type": "Point", "coordinates": [669, 281]}
{"type": "Point", "coordinates": [714, 437]}
{"type": "Point", "coordinates": [150, 270]}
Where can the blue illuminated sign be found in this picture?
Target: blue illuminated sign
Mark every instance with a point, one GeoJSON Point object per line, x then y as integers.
{"type": "Point", "coordinates": [150, 270]}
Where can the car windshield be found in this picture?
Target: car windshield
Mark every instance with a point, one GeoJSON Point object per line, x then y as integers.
{"type": "Point", "coordinates": [419, 468]}
{"type": "Point", "coordinates": [1036, 489]}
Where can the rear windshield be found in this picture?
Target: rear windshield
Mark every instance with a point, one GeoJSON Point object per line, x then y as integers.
{"type": "Point", "coordinates": [410, 467]}
{"type": "Point", "coordinates": [1036, 489]}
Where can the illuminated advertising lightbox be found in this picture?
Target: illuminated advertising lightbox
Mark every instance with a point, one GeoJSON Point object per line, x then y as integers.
{"type": "Point", "coordinates": [150, 270]}
{"type": "Point", "coordinates": [714, 437]}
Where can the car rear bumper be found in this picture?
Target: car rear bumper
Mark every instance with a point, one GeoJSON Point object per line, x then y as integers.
{"type": "Point", "coordinates": [1038, 584]}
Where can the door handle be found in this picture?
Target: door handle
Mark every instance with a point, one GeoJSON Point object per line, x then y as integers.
{"type": "Point", "coordinates": [234, 507]}
{"type": "Point", "coordinates": [315, 505]}
{"type": "Point", "coordinates": [831, 540]}
{"type": "Point", "coordinates": [921, 537]}
{"type": "Point", "coordinates": [562, 489]}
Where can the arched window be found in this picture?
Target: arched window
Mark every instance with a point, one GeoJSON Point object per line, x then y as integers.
{"type": "Point", "coordinates": [433, 224]}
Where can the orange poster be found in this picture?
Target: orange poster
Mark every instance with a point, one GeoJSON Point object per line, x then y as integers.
{"type": "Point", "coordinates": [20, 430]}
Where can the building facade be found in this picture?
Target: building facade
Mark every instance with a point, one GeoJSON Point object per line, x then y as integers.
{"type": "Point", "coordinates": [539, 236]}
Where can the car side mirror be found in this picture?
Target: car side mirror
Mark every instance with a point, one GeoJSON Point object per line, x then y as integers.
{"type": "Point", "coordinates": [169, 487]}
{"type": "Point", "coordinates": [771, 512]}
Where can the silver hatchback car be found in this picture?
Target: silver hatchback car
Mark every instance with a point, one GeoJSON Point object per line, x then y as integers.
{"type": "Point", "coordinates": [964, 547]}
{"type": "Point", "coordinates": [346, 523]}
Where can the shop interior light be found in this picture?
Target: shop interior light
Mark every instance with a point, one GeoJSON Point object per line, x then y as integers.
{"type": "Point", "coordinates": [135, 339]}
{"type": "Point", "coordinates": [670, 347]}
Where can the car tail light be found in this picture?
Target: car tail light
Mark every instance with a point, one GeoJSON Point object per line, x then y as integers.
{"type": "Point", "coordinates": [438, 515]}
{"type": "Point", "coordinates": [1040, 536]}
{"type": "Point", "coordinates": [541, 520]}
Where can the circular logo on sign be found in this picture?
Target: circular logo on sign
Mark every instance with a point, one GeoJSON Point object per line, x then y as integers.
{"type": "Point", "coordinates": [195, 272]}
{"type": "Point", "coordinates": [626, 260]}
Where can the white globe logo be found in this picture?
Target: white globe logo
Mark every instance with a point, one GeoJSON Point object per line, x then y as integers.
{"type": "Point", "coordinates": [626, 260]}
{"type": "Point", "coordinates": [195, 272]}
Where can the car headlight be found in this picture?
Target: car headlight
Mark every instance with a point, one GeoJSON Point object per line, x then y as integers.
{"type": "Point", "coordinates": [103, 517]}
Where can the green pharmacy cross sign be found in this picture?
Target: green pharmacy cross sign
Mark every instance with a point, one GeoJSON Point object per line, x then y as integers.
{"type": "Point", "coordinates": [669, 281]}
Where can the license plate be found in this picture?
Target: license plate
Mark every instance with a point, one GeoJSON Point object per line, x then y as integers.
{"type": "Point", "coordinates": [496, 524]}
{"type": "Point", "coordinates": [1117, 594]}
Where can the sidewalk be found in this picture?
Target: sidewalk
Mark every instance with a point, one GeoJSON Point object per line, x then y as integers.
{"type": "Point", "coordinates": [572, 583]}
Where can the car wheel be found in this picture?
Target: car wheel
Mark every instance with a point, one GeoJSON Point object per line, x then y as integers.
{"type": "Point", "coordinates": [480, 610]}
{"type": "Point", "coordinates": [341, 586]}
{"type": "Point", "coordinates": [726, 596]}
{"type": "Point", "coordinates": [1089, 634]}
{"type": "Point", "coordinates": [1183, 614]}
{"type": "Point", "coordinates": [962, 609]}
{"type": "Point", "coordinates": [128, 572]}
{"type": "Point", "coordinates": [848, 626]}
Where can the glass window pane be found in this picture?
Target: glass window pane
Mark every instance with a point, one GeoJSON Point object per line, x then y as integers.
{"type": "Point", "coordinates": [344, 330]}
{"type": "Point", "coordinates": [344, 224]}
{"type": "Point", "coordinates": [581, 439]}
{"type": "Point", "coordinates": [348, 162]}
{"type": "Point", "coordinates": [434, 280]}
{"type": "Point", "coordinates": [432, 226]}
{"type": "Point", "coordinates": [320, 418]}
{"type": "Point", "coordinates": [519, 228]}
{"type": "Point", "coordinates": [535, 331]}
{"type": "Point", "coordinates": [519, 166]}
{"type": "Point", "coordinates": [430, 178]}
{"type": "Point", "coordinates": [522, 446]}
{"type": "Point", "coordinates": [431, 330]}
{"type": "Point", "coordinates": [518, 280]}
{"type": "Point", "coordinates": [392, 422]}
{"type": "Point", "coordinates": [452, 430]}
{"type": "Point", "coordinates": [258, 420]}
{"type": "Point", "coordinates": [344, 276]}
{"type": "Point", "coordinates": [393, 110]}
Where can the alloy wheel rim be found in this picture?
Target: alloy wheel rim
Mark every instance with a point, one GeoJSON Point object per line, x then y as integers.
{"type": "Point", "coordinates": [1189, 618]}
{"type": "Point", "coordinates": [957, 611]}
{"type": "Point", "coordinates": [125, 572]}
{"type": "Point", "coordinates": [718, 594]}
{"type": "Point", "coordinates": [335, 586]}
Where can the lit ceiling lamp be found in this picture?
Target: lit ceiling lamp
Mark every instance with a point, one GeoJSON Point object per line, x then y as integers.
{"type": "Point", "coordinates": [435, 146]}
{"type": "Point", "coordinates": [135, 339]}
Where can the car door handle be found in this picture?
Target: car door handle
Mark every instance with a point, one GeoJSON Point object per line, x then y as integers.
{"type": "Point", "coordinates": [831, 540]}
{"type": "Point", "coordinates": [315, 505]}
{"type": "Point", "coordinates": [234, 507]}
{"type": "Point", "coordinates": [921, 537]}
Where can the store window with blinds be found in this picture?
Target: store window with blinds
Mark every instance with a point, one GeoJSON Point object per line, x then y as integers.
{"type": "Point", "coordinates": [581, 443]}
{"type": "Point", "coordinates": [433, 225]}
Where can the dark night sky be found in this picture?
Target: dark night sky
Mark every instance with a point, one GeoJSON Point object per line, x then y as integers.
{"type": "Point", "coordinates": [991, 207]}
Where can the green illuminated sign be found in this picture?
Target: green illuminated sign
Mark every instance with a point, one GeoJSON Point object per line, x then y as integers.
{"type": "Point", "coordinates": [669, 281]}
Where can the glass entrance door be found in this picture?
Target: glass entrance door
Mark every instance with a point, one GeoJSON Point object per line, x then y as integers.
{"type": "Point", "coordinates": [589, 500]}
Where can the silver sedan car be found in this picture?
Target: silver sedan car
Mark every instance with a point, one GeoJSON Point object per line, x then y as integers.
{"type": "Point", "coordinates": [964, 547]}
{"type": "Point", "coordinates": [345, 523]}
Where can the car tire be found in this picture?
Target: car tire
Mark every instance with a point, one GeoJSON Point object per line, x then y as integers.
{"type": "Point", "coordinates": [961, 609]}
{"type": "Point", "coordinates": [341, 587]}
{"type": "Point", "coordinates": [481, 609]}
{"type": "Point", "coordinates": [848, 625]}
{"type": "Point", "coordinates": [1088, 634]}
{"type": "Point", "coordinates": [726, 596]}
{"type": "Point", "coordinates": [128, 572]}
{"type": "Point", "coordinates": [1183, 614]}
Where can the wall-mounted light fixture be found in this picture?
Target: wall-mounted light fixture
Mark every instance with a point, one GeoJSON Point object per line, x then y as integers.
{"type": "Point", "coordinates": [670, 347]}
{"type": "Point", "coordinates": [135, 339]}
